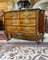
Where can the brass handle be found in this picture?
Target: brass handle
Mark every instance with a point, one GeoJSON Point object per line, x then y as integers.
{"type": "Point", "coordinates": [27, 15]}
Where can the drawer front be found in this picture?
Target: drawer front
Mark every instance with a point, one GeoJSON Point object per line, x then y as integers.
{"type": "Point", "coordinates": [28, 22]}
{"type": "Point", "coordinates": [27, 14]}
{"type": "Point", "coordinates": [11, 15]}
{"type": "Point", "coordinates": [21, 29]}
{"type": "Point", "coordinates": [11, 28]}
{"type": "Point", "coordinates": [29, 30]}
{"type": "Point", "coordinates": [11, 22]}
{"type": "Point", "coordinates": [14, 29]}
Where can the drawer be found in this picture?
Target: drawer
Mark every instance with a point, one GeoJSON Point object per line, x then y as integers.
{"type": "Point", "coordinates": [29, 30]}
{"type": "Point", "coordinates": [27, 14]}
{"type": "Point", "coordinates": [11, 15]}
{"type": "Point", "coordinates": [28, 22]}
{"type": "Point", "coordinates": [11, 28]}
{"type": "Point", "coordinates": [31, 22]}
{"type": "Point", "coordinates": [11, 22]}
{"type": "Point", "coordinates": [14, 29]}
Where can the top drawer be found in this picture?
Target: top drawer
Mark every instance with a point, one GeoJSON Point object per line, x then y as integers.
{"type": "Point", "coordinates": [27, 14]}
{"type": "Point", "coordinates": [11, 15]}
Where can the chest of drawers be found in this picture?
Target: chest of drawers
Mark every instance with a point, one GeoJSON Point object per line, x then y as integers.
{"type": "Point", "coordinates": [25, 24]}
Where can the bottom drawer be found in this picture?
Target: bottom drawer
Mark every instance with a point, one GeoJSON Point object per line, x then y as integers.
{"type": "Point", "coordinates": [11, 28]}
{"type": "Point", "coordinates": [14, 29]}
{"type": "Point", "coordinates": [26, 30]}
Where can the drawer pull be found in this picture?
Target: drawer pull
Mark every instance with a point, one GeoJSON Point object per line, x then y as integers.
{"type": "Point", "coordinates": [27, 15]}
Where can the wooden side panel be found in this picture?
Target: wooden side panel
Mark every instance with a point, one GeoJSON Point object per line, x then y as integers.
{"type": "Point", "coordinates": [41, 22]}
